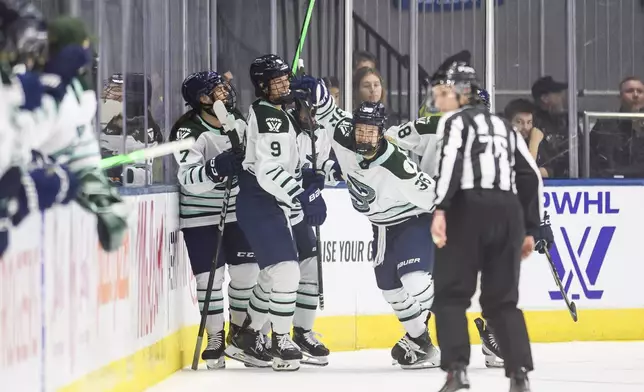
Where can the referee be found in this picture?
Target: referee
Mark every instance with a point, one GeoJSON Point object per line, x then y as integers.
{"type": "Point", "coordinates": [487, 199]}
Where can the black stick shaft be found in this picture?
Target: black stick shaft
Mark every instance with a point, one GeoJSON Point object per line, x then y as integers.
{"type": "Point", "coordinates": [211, 275]}
{"type": "Point", "coordinates": [318, 247]}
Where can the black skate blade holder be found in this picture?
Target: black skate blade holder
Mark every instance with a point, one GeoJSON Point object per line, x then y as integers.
{"type": "Point", "coordinates": [572, 308]}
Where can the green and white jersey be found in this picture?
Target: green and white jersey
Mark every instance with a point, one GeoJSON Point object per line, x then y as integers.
{"type": "Point", "coordinates": [72, 139]}
{"type": "Point", "coordinates": [201, 199]}
{"type": "Point", "coordinates": [419, 137]}
{"type": "Point", "coordinates": [272, 153]}
{"type": "Point", "coordinates": [388, 189]}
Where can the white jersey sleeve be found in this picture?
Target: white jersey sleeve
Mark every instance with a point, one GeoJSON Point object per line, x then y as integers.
{"type": "Point", "coordinates": [331, 116]}
{"type": "Point", "coordinates": [419, 137]}
{"type": "Point", "coordinates": [272, 151]}
{"type": "Point", "coordinates": [416, 186]}
{"type": "Point", "coordinates": [73, 140]}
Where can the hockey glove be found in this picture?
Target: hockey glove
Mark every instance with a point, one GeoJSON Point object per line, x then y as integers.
{"type": "Point", "coordinates": [228, 163]}
{"type": "Point", "coordinates": [32, 89]}
{"type": "Point", "coordinates": [311, 89]}
{"type": "Point", "coordinates": [311, 178]}
{"type": "Point", "coordinates": [335, 174]}
{"type": "Point", "coordinates": [100, 198]}
{"type": "Point", "coordinates": [544, 237]}
{"type": "Point", "coordinates": [313, 206]}
{"type": "Point", "coordinates": [47, 185]}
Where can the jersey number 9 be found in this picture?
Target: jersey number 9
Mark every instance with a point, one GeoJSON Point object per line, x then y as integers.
{"type": "Point", "coordinates": [276, 149]}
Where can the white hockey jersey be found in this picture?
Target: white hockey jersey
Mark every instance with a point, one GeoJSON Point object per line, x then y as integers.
{"type": "Point", "coordinates": [388, 189]}
{"type": "Point", "coordinates": [323, 163]}
{"type": "Point", "coordinates": [419, 137]}
{"type": "Point", "coordinates": [272, 152]}
{"type": "Point", "coordinates": [201, 199]}
{"type": "Point", "coordinates": [72, 139]}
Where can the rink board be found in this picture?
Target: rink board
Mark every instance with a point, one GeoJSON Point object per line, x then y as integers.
{"type": "Point", "coordinates": [73, 318]}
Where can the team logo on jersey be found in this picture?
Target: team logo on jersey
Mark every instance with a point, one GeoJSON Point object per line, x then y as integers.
{"type": "Point", "coordinates": [181, 133]}
{"type": "Point", "coordinates": [345, 128]}
{"type": "Point", "coordinates": [409, 167]}
{"type": "Point", "coordinates": [273, 124]}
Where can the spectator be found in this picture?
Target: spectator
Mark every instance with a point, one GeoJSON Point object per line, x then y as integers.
{"type": "Point", "coordinates": [617, 145]}
{"type": "Point", "coordinates": [333, 84]}
{"type": "Point", "coordinates": [362, 59]}
{"type": "Point", "coordinates": [551, 118]}
{"type": "Point", "coordinates": [520, 112]}
{"type": "Point", "coordinates": [368, 86]}
{"type": "Point", "coordinates": [112, 124]}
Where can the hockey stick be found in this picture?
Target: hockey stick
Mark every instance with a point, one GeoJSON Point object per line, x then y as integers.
{"type": "Point", "coordinates": [304, 109]}
{"type": "Point", "coordinates": [147, 153]}
{"type": "Point", "coordinates": [222, 115]}
{"type": "Point", "coordinates": [297, 68]}
{"type": "Point", "coordinates": [303, 31]}
{"type": "Point", "coordinates": [572, 308]}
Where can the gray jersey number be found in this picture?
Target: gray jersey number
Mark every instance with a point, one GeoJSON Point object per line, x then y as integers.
{"type": "Point", "coordinates": [361, 194]}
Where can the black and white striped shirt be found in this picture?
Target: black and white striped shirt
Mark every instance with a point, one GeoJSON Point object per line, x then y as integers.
{"type": "Point", "coordinates": [479, 150]}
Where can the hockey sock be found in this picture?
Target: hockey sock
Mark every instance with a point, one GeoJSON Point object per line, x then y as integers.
{"type": "Point", "coordinates": [285, 277]}
{"type": "Point", "coordinates": [420, 285]}
{"type": "Point", "coordinates": [307, 295]}
{"type": "Point", "coordinates": [242, 281]}
{"type": "Point", "coordinates": [259, 300]}
{"type": "Point", "coordinates": [407, 309]}
{"type": "Point", "coordinates": [266, 329]}
{"type": "Point", "coordinates": [215, 318]}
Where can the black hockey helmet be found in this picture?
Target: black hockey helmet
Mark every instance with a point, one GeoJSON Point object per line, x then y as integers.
{"type": "Point", "coordinates": [263, 71]}
{"type": "Point", "coordinates": [457, 72]}
{"type": "Point", "coordinates": [369, 115]}
{"type": "Point", "coordinates": [210, 84]}
{"type": "Point", "coordinates": [23, 33]}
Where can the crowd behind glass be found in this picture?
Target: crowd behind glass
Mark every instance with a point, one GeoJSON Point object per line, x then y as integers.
{"type": "Point", "coordinates": [134, 111]}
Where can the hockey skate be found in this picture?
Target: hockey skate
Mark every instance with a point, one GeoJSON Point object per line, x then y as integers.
{"type": "Point", "coordinates": [313, 351]}
{"type": "Point", "coordinates": [232, 331]}
{"type": "Point", "coordinates": [456, 379]}
{"type": "Point", "coordinates": [247, 346]}
{"type": "Point", "coordinates": [519, 382]}
{"type": "Point", "coordinates": [214, 352]}
{"type": "Point", "coordinates": [416, 353]}
{"type": "Point", "coordinates": [286, 354]}
{"type": "Point", "coordinates": [490, 347]}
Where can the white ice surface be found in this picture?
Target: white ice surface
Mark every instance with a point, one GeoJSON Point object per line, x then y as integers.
{"type": "Point", "coordinates": [570, 367]}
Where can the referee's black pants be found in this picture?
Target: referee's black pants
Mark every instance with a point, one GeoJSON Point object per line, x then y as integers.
{"type": "Point", "coordinates": [485, 232]}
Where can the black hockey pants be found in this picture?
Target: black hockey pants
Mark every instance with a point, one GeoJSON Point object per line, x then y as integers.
{"type": "Point", "coordinates": [485, 232]}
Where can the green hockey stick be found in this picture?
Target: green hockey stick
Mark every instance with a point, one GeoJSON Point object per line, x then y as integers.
{"type": "Point", "coordinates": [147, 153]}
{"type": "Point", "coordinates": [305, 29]}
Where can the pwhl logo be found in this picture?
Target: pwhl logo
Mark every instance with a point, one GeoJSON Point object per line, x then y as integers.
{"type": "Point", "coordinates": [570, 257]}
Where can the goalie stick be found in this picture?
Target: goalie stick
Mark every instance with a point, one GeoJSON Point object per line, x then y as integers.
{"type": "Point", "coordinates": [228, 126]}
{"type": "Point", "coordinates": [572, 308]}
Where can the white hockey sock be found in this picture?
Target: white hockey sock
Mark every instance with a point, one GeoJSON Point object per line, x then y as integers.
{"type": "Point", "coordinates": [421, 286]}
{"type": "Point", "coordinates": [259, 300]}
{"type": "Point", "coordinates": [242, 281]}
{"type": "Point", "coordinates": [307, 295]}
{"type": "Point", "coordinates": [285, 276]}
{"type": "Point", "coordinates": [266, 329]}
{"type": "Point", "coordinates": [407, 309]}
{"type": "Point", "coordinates": [215, 318]}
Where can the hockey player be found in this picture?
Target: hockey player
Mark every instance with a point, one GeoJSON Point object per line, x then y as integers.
{"type": "Point", "coordinates": [387, 187]}
{"type": "Point", "coordinates": [36, 184]}
{"type": "Point", "coordinates": [203, 170]}
{"type": "Point", "coordinates": [270, 186]}
{"type": "Point", "coordinates": [313, 350]}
